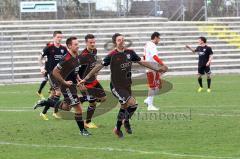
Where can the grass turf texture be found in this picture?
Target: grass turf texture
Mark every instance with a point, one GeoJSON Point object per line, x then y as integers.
{"type": "Point", "coordinates": [189, 125]}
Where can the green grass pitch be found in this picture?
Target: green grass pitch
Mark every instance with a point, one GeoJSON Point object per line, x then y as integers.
{"type": "Point", "coordinates": [190, 125]}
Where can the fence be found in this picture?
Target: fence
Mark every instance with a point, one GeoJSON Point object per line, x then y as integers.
{"type": "Point", "coordinates": [172, 9]}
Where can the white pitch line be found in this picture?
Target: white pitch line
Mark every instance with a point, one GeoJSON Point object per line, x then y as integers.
{"type": "Point", "coordinates": [15, 110]}
{"type": "Point", "coordinates": [17, 92]}
{"type": "Point", "coordinates": [222, 115]}
{"type": "Point", "coordinates": [199, 114]}
{"type": "Point", "coordinates": [116, 149]}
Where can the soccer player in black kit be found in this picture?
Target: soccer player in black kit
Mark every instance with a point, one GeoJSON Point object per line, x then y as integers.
{"type": "Point", "coordinates": [66, 72]}
{"type": "Point", "coordinates": [120, 60]}
{"type": "Point", "coordinates": [54, 52]}
{"type": "Point", "coordinates": [205, 54]}
{"type": "Point", "coordinates": [95, 92]}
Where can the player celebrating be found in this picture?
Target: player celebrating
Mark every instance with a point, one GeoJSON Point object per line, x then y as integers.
{"type": "Point", "coordinates": [54, 52]}
{"type": "Point", "coordinates": [120, 60]}
{"type": "Point", "coordinates": [95, 91]}
{"type": "Point", "coordinates": [66, 72]}
{"type": "Point", "coordinates": [154, 81]}
{"type": "Point", "coordinates": [205, 54]}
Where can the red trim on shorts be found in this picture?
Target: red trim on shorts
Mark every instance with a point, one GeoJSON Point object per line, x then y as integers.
{"type": "Point", "coordinates": [154, 79]}
{"type": "Point", "coordinates": [92, 84]}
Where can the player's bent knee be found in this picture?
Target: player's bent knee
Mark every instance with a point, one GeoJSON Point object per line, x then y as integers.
{"type": "Point", "coordinates": [103, 99]}
{"type": "Point", "coordinates": [131, 101]}
{"type": "Point", "coordinates": [65, 107]}
{"type": "Point", "coordinates": [77, 108]}
{"type": "Point", "coordinates": [93, 104]}
{"type": "Point", "coordinates": [124, 106]}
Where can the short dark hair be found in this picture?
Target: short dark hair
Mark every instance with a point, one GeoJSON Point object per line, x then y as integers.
{"type": "Point", "coordinates": [203, 39]}
{"type": "Point", "coordinates": [155, 34]}
{"type": "Point", "coordinates": [89, 36]}
{"type": "Point", "coordinates": [114, 37]}
{"type": "Point", "coordinates": [70, 39]}
{"type": "Point", "coordinates": [56, 32]}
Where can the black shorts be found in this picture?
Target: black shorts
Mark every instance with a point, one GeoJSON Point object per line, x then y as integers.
{"type": "Point", "coordinates": [204, 69]}
{"type": "Point", "coordinates": [123, 94]}
{"type": "Point", "coordinates": [54, 84]}
{"type": "Point", "coordinates": [95, 92]}
{"type": "Point", "coordinates": [70, 95]}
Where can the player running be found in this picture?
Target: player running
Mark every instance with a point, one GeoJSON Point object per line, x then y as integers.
{"type": "Point", "coordinates": [95, 92]}
{"type": "Point", "coordinates": [153, 77]}
{"type": "Point", "coordinates": [66, 72]}
{"type": "Point", "coordinates": [54, 52]}
{"type": "Point", "coordinates": [205, 54]}
{"type": "Point", "coordinates": [120, 60]}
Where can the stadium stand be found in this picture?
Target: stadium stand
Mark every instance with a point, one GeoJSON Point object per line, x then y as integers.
{"type": "Point", "coordinates": [22, 41]}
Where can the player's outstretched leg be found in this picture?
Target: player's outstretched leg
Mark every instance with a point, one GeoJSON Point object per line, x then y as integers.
{"type": "Point", "coordinates": [79, 120]}
{"type": "Point", "coordinates": [121, 116]}
{"type": "Point", "coordinates": [200, 83]}
{"type": "Point", "coordinates": [129, 113]}
{"type": "Point", "coordinates": [209, 80]}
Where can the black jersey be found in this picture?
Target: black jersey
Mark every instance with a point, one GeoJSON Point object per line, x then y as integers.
{"type": "Point", "coordinates": [69, 67]}
{"type": "Point", "coordinates": [203, 53]}
{"type": "Point", "coordinates": [88, 61]}
{"type": "Point", "coordinates": [54, 55]}
{"type": "Point", "coordinates": [121, 65]}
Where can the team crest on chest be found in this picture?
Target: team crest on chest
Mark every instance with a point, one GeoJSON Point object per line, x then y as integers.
{"type": "Point", "coordinates": [128, 56]}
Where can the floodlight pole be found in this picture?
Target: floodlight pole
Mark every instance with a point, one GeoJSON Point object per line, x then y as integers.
{"type": "Point", "coordinates": [237, 8]}
{"type": "Point", "coordinates": [89, 10]}
{"type": "Point", "coordinates": [183, 10]}
{"type": "Point", "coordinates": [155, 8]}
{"type": "Point", "coordinates": [205, 13]}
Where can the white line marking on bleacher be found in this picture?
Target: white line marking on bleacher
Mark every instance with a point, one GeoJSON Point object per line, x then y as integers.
{"type": "Point", "coordinates": [116, 149]}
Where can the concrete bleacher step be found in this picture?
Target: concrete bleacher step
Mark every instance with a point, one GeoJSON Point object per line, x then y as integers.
{"type": "Point", "coordinates": [83, 29]}
{"type": "Point", "coordinates": [23, 41]}
{"type": "Point", "coordinates": [137, 46]}
{"type": "Point", "coordinates": [79, 21]}
{"type": "Point", "coordinates": [171, 64]}
{"type": "Point", "coordinates": [32, 63]}
{"type": "Point", "coordinates": [135, 38]}
{"type": "Point", "coordinates": [224, 19]}
{"type": "Point", "coordinates": [34, 54]}
{"type": "Point", "coordinates": [109, 34]}
{"type": "Point", "coordinates": [101, 42]}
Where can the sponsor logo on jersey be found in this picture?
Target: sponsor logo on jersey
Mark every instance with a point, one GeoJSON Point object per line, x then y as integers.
{"type": "Point", "coordinates": [57, 57]}
{"type": "Point", "coordinates": [201, 53]}
{"type": "Point", "coordinates": [125, 65]}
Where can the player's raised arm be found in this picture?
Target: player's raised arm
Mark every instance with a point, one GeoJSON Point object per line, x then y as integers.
{"type": "Point", "coordinates": [161, 69]}
{"type": "Point", "coordinates": [190, 48]}
{"type": "Point", "coordinates": [95, 70]}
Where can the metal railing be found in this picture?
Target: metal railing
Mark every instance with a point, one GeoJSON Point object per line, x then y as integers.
{"type": "Point", "coordinates": [199, 14]}
{"type": "Point", "coordinates": [10, 57]}
{"type": "Point", "coordinates": [180, 13]}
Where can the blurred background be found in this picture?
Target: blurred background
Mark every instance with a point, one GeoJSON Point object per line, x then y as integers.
{"type": "Point", "coordinates": [185, 10]}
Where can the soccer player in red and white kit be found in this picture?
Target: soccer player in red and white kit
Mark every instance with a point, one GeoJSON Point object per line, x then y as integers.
{"type": "Point", "coordinates": [153, 77]}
